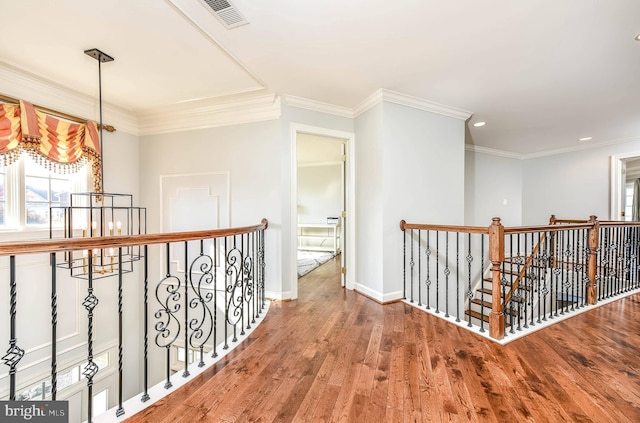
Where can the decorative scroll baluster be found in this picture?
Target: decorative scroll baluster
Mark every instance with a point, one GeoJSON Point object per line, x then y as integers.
{"type": "Point", "coordinates": [120, 410]}
{"type": "Point", "coordinates": [242, 284]}
{"type": "Point", "coordinates": [166, 315]}
{"type": "Point", "coordinates": [185, 372]}
{"type": "Point", "coordinates": [90, 302]}
{"type": "Point", "coordinates": [54, 326]}
{"type": "Point", "coordinates": [203, 265]}
{"type": "Point", "coordinates": [14, 353]}
{"type": "Point", "coordinates": [145, 365]}
{"type": "Point", "coordinates": [234, 288]}
{"type": "Point", "coordinates": [248, 288]}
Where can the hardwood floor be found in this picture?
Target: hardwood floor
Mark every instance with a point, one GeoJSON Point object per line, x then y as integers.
{"type": "Point", "coordinates": [336, 356]}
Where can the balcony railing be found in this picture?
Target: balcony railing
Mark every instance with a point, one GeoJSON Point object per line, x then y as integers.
{"type": "Point", "coordinates": [190, 297]}
{"type": "Point", "coordinates": [512, 280]}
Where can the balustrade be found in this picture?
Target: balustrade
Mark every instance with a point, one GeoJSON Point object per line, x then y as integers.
{"type": "Point", "coordinates": [194, 295]}
{"type": "Point", "coordinates": [515, 279]}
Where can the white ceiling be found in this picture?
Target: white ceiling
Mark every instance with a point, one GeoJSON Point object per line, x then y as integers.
{"type": "Point", "coordinates": [541, 73]}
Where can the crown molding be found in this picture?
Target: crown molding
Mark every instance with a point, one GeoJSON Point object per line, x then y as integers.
{"type": "Point", "coordinates": [493, 152]}
{"type": "Point", "coordinates": [209, 114]}
{"type": "Point", "coordinates": [588, 146]}
{"type": "Point", "coordinates": [21, 84]}
{"type": "Point", "coordinates": [410, 101]}
{"type": "Point", "coordinates": [318, 106]}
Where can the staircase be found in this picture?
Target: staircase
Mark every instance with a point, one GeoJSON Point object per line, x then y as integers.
{"type": "Point", "coordinates": [518, 284]}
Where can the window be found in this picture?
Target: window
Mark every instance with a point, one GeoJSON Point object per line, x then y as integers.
{"type": "Point", "coordinates": [28, 190]}
{"type": "Point", "coordinates": [628, 204]}
{"type": "Point", "coordinates": [66, 378]}
{"type": "Point", "coordinates": [3, 198]}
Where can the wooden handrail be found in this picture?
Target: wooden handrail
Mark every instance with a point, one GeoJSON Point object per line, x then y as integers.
{"type": "Point", "coordinates": [94, 243]}
{"type": "Point", "coordinates": [447, 228]}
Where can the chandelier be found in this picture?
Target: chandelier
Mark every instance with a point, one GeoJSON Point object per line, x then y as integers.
{"type": "Point", "coordinates": [99, 214]}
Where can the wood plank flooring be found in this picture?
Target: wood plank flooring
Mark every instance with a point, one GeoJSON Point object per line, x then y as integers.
{"type": "Point", "coordinates": [336, 356]}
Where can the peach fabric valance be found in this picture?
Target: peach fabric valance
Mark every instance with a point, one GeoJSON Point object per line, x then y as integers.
{"type": "Point", "coordinates": [57, 144]}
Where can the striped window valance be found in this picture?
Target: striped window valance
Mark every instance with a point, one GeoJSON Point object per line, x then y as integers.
{"type": "Point", "coordinates": [57, 144]}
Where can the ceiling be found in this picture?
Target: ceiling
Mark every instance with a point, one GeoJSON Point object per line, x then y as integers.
{"type": "Point", "coordinates": [541, 74]}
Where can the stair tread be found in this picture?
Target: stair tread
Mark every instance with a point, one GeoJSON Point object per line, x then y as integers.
{"type": "Point", "coordinates": [479, 316]}
{"type": "Point", "coordinates": [488, 290]}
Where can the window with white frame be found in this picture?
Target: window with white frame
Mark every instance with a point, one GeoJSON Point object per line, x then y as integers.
{"type": "Point", "coordinates": [28, 190]}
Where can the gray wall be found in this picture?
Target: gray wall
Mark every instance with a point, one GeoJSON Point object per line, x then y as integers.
{"type": "Point", "coordinates": [490, 182]}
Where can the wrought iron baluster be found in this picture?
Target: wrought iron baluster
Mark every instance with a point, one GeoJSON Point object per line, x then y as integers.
{"type": "Point", "coordinates": [90, 302]}
{"type": "Point", "coordinates": [428, 280]}
{"type": "Point", "coordinates": [510, 282]}
{"type": "Point", "coordinates": [437, 272]}
{"type": "Point", "coordinates": [248, 279]}
{"type": "Point", "coordinates": [404, 264]}
{"type": "Point", "coordinates": [446, 275]}
{"type": "Point", "coordinates": [120, 410]}
{"type": "Point", "coordinates": [419, 268]}
{"type": "Point", "coordinates": [54, 326]}
{"type": "Point", "coordinates": [199, 336]}
{"type": "Point", "coordinates": [482, 240]}
{"type": "Point", "coordinates": [457, 276]}
{"type": "Point", "coordinates": [216, 264]}
{"type": "Point", "coordinates": [470, 294]}
{"type": "Point", "coordinates": [14, 353]}
{"type": "Point", "coordinates": [226, 293]}
{"type": "Point", "coordinates": [411, 268]}
{"type": "Point", "coordinates": [166, 315]}
{"type": "Point", "coordinates": [186, 373]}
{"type": "Point", "coordinates": [145, 365]}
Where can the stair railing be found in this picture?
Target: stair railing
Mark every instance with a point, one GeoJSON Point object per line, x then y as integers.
{"type": "Point", "coordinates": [537, 272]}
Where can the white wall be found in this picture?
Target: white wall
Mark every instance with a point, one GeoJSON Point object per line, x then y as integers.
{"type": "Point", "coordinates": [369, 202]}
{"type": "Point", "coordinates": [319, 193]}
{"type": "Point", "coordinates": [251, 155]}
{"type": "Point", "coordinates": [570, 185]}
{"type": "Point", "coordinates": [423, 179]}
{"type": "Point", "coordinates": [493, 188]}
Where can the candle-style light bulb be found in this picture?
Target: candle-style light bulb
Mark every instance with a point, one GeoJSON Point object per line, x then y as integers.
{"type": "Point", "coordinates": [85, 255]}
{"type": "Point", "coordinates": [94, 226]}
{"type": "Point", "coordinates": [111, 254]}
{"type": "Point", "coordinates": [110, 225]}
{"type": "Point", "coordinates": [119, 227]}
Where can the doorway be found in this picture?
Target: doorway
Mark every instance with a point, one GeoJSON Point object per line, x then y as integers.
{"type": "Point", "coordinates": [625, 168]}
{"type": "Point", "coordinates": [322, 203]}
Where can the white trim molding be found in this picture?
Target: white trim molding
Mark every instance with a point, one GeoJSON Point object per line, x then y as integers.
{"type": "Point", "coordinates": [409, 101]}
{"type": "Point", "coordinates": [493, 152]}
{"type": "Point", "coordinates": [210, 113]}
{"type": "Point", "coordinates": [318, 106]}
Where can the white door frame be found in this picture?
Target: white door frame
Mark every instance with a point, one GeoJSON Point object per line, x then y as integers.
{"type": "Point", "coordinates": [349, 244]}
{"type": "Point", "coordinates": [616, 190]}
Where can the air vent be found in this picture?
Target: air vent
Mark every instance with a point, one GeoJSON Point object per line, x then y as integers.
{"type": "Point", "coordinates": [226, 12]}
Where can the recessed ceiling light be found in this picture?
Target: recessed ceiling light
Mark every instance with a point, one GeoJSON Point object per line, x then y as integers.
{"type": "Point", "coordinates": [585, 139]}
{"type": "Point", "coordinates": [479, 124]}
{"type": "Point", "coordinates": [637, 37]}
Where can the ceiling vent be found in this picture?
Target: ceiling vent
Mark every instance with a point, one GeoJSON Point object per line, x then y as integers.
{"type": "Point", "coordinates": [226, 13]}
